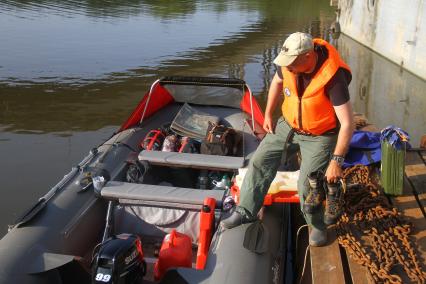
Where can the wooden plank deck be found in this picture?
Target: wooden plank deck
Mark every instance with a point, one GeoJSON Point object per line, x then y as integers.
{"type": "Point", "coordinates": [413, 200]}
{"type": "Point", "coordinates": [326, 262]}
{"type": "Point", "coordinates": [329, 265]}
{"type": "Point", "coordinates": [359, 273]}
{"type": "Point", "coordinates": [415, 170]}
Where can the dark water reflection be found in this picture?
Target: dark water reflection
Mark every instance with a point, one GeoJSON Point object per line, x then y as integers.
{"type": "Point", "coordinates": [72, 71]}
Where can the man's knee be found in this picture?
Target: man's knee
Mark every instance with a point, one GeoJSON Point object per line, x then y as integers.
{"type": "Point", "coordinates": [257, 161]}
{"type": "Point", "coordinates": [302, 184]}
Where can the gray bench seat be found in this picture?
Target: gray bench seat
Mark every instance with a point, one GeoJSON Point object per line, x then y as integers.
{"type": "Point", "coordinates": [157, 195]}
{"type": "Point", "coordinates": [199, 161]}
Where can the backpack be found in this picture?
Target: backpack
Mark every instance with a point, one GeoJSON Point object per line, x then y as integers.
{"type": "Point", "coordinates": [220, 140]}
{"type": "Point", "coordinates": [137, 171]}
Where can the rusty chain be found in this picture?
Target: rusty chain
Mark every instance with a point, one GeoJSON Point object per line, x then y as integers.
{"type": "Point", "coordinates": [374, 233]}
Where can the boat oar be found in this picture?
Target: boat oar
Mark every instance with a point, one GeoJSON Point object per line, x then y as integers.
{"type": "Point", "coordinates": [256, 238]}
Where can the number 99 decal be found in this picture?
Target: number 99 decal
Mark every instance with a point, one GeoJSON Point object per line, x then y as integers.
{"type": "Point", "coordinates": [102, 277]}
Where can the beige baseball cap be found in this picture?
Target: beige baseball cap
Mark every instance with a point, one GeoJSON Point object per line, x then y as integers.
{"type": "Point", "coordinates": [296, 44]}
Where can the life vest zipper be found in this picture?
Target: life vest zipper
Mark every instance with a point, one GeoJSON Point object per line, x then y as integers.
{"type": "Point", "coordinates": [299, 96]}
{"type": "Point", "coordinates": [300, 113]}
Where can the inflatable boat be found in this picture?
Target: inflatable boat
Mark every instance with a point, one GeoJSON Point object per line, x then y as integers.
{"type": "Point", "coordinates": [133, 212]}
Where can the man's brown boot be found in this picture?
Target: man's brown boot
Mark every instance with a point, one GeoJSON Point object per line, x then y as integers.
{"type": "Point", "coordinates": [316, 193]}
{"type": "Point", "coordinates": [333, 203]}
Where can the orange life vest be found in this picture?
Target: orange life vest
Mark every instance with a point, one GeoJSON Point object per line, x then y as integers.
{"type": "Point", "coordinates": [312, 112]}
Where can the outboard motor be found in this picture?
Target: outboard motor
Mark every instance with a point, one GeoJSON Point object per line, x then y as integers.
{"type": "Point", "coordinates": [119, 260]}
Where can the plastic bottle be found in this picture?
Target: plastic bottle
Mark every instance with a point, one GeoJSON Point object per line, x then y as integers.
{"type": "Point", "coordinates": [226, 181]}
{"type": "Point", "coordinates": [223, 184]}
{"type": "Point", "coordinates": [203, 180]}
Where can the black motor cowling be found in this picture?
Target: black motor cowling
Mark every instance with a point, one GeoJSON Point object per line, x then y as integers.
{"type": "Point", "coordinates": [119, 260]}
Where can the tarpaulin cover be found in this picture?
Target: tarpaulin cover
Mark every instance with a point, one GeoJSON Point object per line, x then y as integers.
{"type": "Point", "coordinates": [364, 149]}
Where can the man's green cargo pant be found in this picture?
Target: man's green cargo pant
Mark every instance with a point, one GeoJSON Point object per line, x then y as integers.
{"type": "Point", "coordinates": [316, 152]}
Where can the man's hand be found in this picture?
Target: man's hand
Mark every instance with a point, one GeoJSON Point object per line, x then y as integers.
{"type": "Point", "coordinates": [268, 124]}
{"type": "Point", "coordinates": [334, 172]}
{"type": "Point", "coordinates": [345, 116]}
{"type": "Point", "coordinates": [274, 95]}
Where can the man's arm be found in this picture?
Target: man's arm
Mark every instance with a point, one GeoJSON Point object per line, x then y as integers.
{"type": "Point", "coordinates": [345, 116]}
{"type": "Point", "coordinates": [275, 91]}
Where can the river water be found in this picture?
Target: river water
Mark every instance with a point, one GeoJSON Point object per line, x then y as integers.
{"type": "Point", "coordinates": [72, 71]}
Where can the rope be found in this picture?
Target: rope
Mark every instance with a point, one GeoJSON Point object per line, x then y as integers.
{"type": "Point", "coordinates": [304, 264]}
{"type": "Point", "coordinates": [306, 252]}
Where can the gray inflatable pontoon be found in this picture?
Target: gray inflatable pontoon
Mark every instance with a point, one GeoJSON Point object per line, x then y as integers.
{"type": "Point", "coordinates": [56, 240]}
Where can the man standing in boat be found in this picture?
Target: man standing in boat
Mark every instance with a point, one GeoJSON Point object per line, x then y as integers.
{"type": "Point", "coordinates": [317, 115]}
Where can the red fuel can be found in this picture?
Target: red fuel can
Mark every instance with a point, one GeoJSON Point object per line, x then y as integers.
{"type": "Point", "coordinates": [176, 251]}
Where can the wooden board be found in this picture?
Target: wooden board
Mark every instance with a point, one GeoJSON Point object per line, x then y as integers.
{"type": "Point", "coordinates": [415, 170]}
{"type": "Point", "coordinates": [408, 205]}
{"type": "Point", "coordinates": [423, 155]}
{"type": "Point", "coordinates": [359, 273]}
{"type": "Point", "coordinates": [326, 262]}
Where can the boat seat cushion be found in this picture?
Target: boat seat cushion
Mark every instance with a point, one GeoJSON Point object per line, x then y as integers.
{"type": "Point", "coordinates": [190, 160]}
{"type": "Point", "coordinates": [158, 195]}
